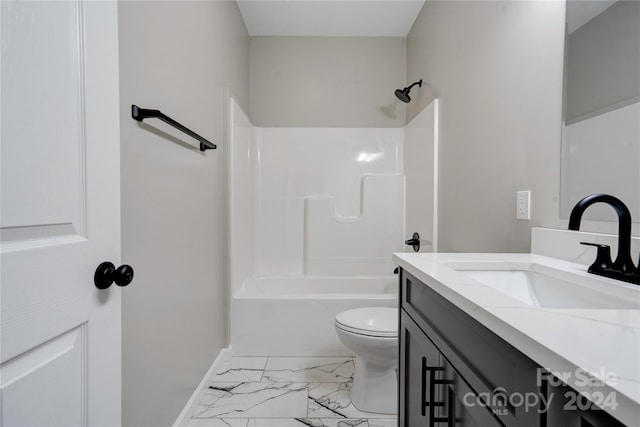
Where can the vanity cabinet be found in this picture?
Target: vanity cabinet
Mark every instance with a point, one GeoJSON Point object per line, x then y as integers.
{"type": "Point", "coordinates": [453, 371]}
{"type": "Point", "coordinates": [437, 394]}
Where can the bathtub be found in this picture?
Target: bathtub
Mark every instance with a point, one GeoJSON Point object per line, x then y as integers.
{"type": "Point", "coordinates": [294, 315]}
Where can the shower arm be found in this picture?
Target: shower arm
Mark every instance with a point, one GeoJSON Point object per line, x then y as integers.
{"type": "Point", "coordinates": [419, 83]}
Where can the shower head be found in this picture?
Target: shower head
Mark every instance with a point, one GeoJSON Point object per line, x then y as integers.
{"type": "Point", "coordinates": [403, 94]}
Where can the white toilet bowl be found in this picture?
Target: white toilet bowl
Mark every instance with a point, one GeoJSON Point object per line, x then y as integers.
{"type": "Point", "coordinates": [372, 334]}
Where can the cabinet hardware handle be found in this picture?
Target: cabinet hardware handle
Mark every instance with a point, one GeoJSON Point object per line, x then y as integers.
{"type": "Point", "coordinates": [423, 388]}
{"type": "Point", "coordinates": [451, 410]}
{"type": "Point", "coordinates": [432, 403]}
{"type": "Point", "coordinates": [450, 418]}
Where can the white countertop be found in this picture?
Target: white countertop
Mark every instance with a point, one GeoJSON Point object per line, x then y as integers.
{"type": "Point", "coordinates": [584, 345]}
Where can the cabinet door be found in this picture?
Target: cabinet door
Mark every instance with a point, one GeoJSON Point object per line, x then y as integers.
{"type": "Point", "coordinates": [462, 407]}
{"type": "Point", "coordinates": [419, 364]}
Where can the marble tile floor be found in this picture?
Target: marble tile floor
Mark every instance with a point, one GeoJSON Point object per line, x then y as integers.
{"type": "Point", "coordinates": [282, 392]}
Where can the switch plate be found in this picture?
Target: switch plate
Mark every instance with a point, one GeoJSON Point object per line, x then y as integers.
{"type": "Point", "coordinates": [523, 205]}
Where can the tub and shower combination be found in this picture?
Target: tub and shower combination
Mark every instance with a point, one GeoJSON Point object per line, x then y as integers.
{"type": "Point", "coordinates": [294, 316]}
{"type": "Point", "coordinates": [315, 216]}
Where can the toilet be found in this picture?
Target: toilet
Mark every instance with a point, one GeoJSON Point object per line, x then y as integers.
{"type": "Point", "coordinates": [372, 334]}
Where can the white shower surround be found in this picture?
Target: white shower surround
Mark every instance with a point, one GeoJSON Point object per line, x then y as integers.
{"type": "Point", "coordinates": [315, 215]}
{"type": "Point", "coordinates": [330, 201]}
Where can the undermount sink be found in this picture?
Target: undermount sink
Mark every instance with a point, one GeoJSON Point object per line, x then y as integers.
{"type": "Point", "coordinates": [541, 286]}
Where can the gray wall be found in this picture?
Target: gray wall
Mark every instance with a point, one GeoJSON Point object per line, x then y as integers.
{"type": "Point", "coordinates": [177, 57]}
{"type": "Point", "coordinates": [327, 81]}
{"type": "Point", "coordinates": [603, 62]}
{"type": "Point", "coordinates": [497, 68]}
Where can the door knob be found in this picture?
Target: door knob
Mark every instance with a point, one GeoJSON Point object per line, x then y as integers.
{"type": "Point", "coordinates": [107, 273]}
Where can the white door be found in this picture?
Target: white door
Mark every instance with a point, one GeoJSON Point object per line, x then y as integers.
{"type": "Point", "coordinates": [60, 213]}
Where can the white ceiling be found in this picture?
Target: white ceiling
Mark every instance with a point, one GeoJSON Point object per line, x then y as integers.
{"type": "Point", "coordinates": [352, 18]}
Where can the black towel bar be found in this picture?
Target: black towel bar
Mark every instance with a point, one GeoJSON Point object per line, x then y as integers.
{"type": "Point", "coordinates": [140, 114]}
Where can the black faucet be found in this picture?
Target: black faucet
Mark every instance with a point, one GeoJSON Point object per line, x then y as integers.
{"type": "Point", "coordinates": [622, 268]}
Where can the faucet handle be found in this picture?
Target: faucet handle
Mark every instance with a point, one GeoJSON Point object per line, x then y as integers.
{"type": "Point", "coordinates": [603, 257]}
{"type": "Point", "coordinates": [414, 241]}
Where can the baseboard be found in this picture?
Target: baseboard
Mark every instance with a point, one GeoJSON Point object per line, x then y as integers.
{"type": "Point", "coordinates": [183, 418]}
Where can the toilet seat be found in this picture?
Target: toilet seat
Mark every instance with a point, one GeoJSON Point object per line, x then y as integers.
{"type": "Point", "coordinates": [371, 321]}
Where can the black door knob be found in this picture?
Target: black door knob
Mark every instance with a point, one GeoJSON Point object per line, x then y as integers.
{"type": "Point", "coordinates": [107, 273]}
